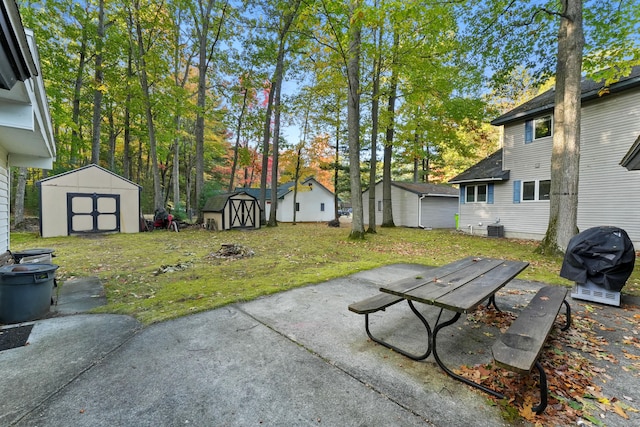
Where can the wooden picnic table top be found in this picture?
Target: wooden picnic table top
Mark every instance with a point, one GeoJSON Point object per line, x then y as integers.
{"type": "Point", "coordinates": [459, 286]}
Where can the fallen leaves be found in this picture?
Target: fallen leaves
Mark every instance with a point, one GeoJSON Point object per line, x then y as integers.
{"type": "Point", "coordinates": [569, 362]}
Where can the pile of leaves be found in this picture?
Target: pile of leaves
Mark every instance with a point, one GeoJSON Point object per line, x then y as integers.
{"type": "Point", "coordinates": [572, 376]}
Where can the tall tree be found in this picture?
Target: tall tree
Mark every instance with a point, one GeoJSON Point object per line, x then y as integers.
{"type": "Point", "coordinates": [136, 17]}
{"type": "Point", "coordinates": [98, 87]}
{"type": "Point", "coordinates": [202, 14]}
{"type": "Point", "coordinates": [353, 117]}
{"type": "Point", "coordinates": [565, 155]}
{"type": "Point", "coordinates": [375, 109]}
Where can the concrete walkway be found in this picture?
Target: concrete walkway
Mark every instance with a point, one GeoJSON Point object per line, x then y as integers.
{"type": "Point", "coordinates": [291, 359]}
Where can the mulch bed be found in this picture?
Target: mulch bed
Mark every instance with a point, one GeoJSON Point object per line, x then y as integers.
{"type": "Point", "coordinates": [14, 337]}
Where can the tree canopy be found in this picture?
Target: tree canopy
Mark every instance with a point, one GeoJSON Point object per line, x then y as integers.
{"type": "Point", "coordinates": [186, 97]}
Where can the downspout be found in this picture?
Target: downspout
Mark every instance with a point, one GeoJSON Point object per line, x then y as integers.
{"type": "Point", "coordinates": [420, 210]}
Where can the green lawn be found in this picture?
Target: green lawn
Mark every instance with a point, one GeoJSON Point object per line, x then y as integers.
{"type": "Point", "coordinates": [285, 257]}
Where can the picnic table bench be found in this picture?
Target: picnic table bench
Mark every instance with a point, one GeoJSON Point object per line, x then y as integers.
{"type": "Point", "coordinates": [519, 348]}
{"type": "Point", "coordinates": [461, 287]}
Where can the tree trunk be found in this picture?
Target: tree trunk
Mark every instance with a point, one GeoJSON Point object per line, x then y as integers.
{"type": "Point", "coordinates": [375, 107]}
{"type": "Point", "coordinates": [205, 53]}
{"type": "Point", "coordinates": [144, 85]}
{"type": "Point", "coordinates": [336, 168]}
{"type": "Point", "coordinates": [266, 138]}
{"type": "Point", "coordinates": [113, 134]}
{"type": "Point", "coordinates": [353, 122]}
{"type": "Point", "coordinates": [387, 208]}
{"type": "Point", "coordinates": [76, 131]}
{"type": "Point", "coordinates": [18, 210]}
{"type": "Point", "coordinates": [127, 164]}
{"type": "Point", "coordinates": [272, 222]}
{"type": "Point", "coordinates": [97, 91]}
{"type": "Point", "coordinates": [234, 165]}
{"type": "Point", "coordinates": [565, 156]}
{"type": "Point", "coordinates": [288, 19]}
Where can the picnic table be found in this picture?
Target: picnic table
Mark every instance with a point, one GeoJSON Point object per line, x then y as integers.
{"type": "Point", "coordinates": [461, 287]}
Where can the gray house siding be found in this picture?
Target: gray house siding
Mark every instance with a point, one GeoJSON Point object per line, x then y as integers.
{"type": "Point", "coordinates": [608, 193]}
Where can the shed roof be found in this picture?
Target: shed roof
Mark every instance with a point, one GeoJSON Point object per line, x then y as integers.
{"type": "Point", "coordinates": [427, 189]}
{"type": "Point", "coordinates": [544, 102]}
{"type": "Point", "coordinates": [83, 168]}
{"type": "Point", "coordinates": [216, 203]}
{"type": "Point", "coordinates": [488, 169]}
{"type": "Point", "coordinates": [283, 189]}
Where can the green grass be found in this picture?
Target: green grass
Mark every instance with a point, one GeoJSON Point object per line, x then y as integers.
{"type": "Point", "coordinates": [285, 257]}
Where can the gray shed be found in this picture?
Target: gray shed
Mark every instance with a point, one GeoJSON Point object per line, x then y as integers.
{"type": "Point", "coordinates": [232, 210]}
{"type": "Point", "coordinates": [90, 199]}
{"type": "Point", "coordinates": [422, 205]}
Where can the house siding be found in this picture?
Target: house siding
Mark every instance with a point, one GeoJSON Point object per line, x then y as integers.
{"type": "Point", "coordinates": [609, 128]}
{"type": "Point", "coordinates": [310, 204]}
{"type": "Point", "coordinates": [612, 192]}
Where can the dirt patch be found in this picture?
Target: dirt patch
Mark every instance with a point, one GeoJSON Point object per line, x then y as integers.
{"type": "Point", "coordinates": [30, 225]}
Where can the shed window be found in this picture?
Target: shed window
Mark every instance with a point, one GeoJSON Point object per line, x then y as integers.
{"type": "Point", "coordinates": [321, 207]}
{"type": "Point", "coordinates": [297, 207]}
{"type": "Point", "coordinates": [379, 205]}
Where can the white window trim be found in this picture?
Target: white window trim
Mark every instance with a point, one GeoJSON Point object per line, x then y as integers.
{"type": "Point", "coordinates": [536, 194]}
{"type": "Point", "coordinates": [475, 193]}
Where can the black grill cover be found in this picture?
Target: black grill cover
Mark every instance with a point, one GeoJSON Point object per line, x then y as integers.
{"type": "Point", "coordinates": [601, 255]}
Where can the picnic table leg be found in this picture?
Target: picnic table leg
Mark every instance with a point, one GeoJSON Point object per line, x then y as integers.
{"type": "Point", "coordinates": [492, 302]}
{"type": "Point", "coordinates": [543, 390]}
{"type": "Point", "coordinates": [399, 350]}
{"type": "Point", "coordinates": [448, 371]}
{"type": "Point", "coordinates": [568, 324]}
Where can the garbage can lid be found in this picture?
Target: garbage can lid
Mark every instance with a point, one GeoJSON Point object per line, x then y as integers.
{"type": "Point", "coordinates": [18, 269]}
{"type": "Point", "coordinates": [31, 252]}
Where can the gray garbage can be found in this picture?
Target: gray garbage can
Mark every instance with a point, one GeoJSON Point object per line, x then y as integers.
{"type": "Point", "coordinates": [25, 291]}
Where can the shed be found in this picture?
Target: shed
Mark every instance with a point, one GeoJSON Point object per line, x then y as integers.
{"type": "Point", "coordinates": [422, 205]}
{"type": "Point", "coordinates": [90, 199]}
{"type": "Point", "coordinates": [232, 210]}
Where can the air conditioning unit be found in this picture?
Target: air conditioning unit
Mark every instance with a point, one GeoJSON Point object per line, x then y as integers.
{"type": "Point", "coordinates": [495, 230]}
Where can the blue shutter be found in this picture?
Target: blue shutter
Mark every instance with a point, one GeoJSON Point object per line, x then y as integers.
{"type": "Point", "coordinates": [528, 131]}
{"type": "Point", "coordinates": [516, 191]}
{"type": "Point", "coordinates": [463, 194]}
{"type": "Point", "coordinates": [490, 194]}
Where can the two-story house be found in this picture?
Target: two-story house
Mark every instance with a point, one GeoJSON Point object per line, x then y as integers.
{"type": "Point", "coordinates": [510, 189]}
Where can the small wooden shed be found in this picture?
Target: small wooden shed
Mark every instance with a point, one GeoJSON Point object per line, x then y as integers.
{"type": "Point", "coordinates": [232, 210]}
{"type": "Point", "coordinates": [90, 199]}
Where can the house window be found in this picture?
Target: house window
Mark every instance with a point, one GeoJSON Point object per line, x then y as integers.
{"type": "Point", "coordinates": [538, 128]}
{"type": "Point", "coordinates": [379, 205]}
{"type": "Point", "coordinates": [542, 127]}
{"type": "Point", "coordinates": [476, 193]}
{"type": "Point", "coordinates": [297, 207]}
{"type": "Point", "coordinates": [536, 190]}
{"type": "Point", "coordinates": [321, 207]}
{"type": "Point", "coordinates": [529, 190]}
{"type": "Point", "coordinates": [544, 190]}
